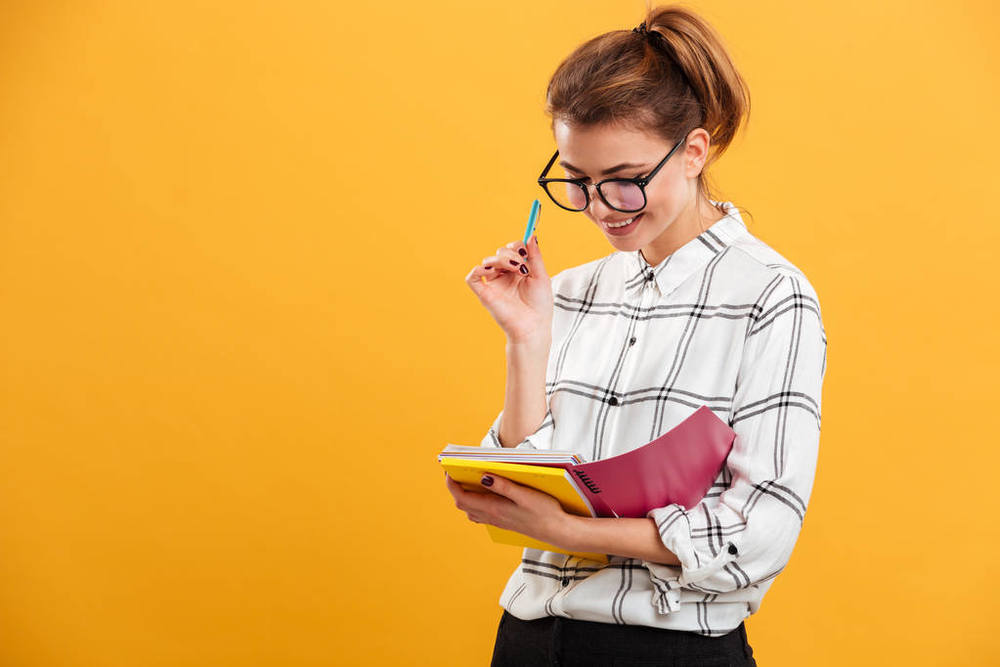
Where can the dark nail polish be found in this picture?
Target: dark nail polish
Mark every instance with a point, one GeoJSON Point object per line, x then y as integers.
{"type": "Point", "coordinates": [522, 252]}
{"type": "Point", "coordinates": [487, 480]}
{"type": "Point", "coordinates": [487, 267]}
{"type": "Point", "coordinates": [513, 262]}
{"type": "Point", "coordinates": [523, 269]}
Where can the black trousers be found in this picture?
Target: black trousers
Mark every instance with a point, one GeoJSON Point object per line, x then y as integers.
{"type": "Point", "coordinates": [554, 641]}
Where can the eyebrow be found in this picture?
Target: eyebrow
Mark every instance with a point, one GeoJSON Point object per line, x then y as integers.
{"type": "Point", "coordinates": [624, 165]}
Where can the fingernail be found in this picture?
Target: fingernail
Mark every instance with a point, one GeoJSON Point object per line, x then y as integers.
{"type": "Point", "coordinates": [536, 239]}
{"type": "Point", "coordinates": [488, 267]}
{"type": "Point", "coordinates": [523, 269]}
{"type": "Point", "coordinates": [487, 480]}
{"type": "Point", "coordinates": [513, 262]}
{"type": "Point", "coordinates": [522, 252]}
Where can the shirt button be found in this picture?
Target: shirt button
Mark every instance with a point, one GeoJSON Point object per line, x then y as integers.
{"type": "Point", "coordinates": [631, 341]}
{"type": "Point", "coordinates": [565, 581]}
{"type": "Point", "coordinates": [613, 400]}
{"type": "Point", "coordinates": [732, 549]}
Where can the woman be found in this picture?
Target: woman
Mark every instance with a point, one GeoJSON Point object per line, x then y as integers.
{"type": "Point", "coordinates": [690, 309]}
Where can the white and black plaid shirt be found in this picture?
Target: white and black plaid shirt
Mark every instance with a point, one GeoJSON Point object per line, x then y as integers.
{"type": "Point", "coordinates": [724, 321]}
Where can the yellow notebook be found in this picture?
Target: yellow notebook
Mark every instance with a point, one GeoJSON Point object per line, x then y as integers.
{"type": "Point", "coordinates": [554, 481]}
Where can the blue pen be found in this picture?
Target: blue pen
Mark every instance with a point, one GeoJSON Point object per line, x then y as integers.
{"type": "Point", "coordinates": [536, 206]}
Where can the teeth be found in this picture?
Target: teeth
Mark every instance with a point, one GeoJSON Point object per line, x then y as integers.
{"type": "Point", "coordinates": [621, 224]}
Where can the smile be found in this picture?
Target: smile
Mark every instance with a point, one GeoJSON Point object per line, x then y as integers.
{"type": "Point", "coordinates": [622, 226]}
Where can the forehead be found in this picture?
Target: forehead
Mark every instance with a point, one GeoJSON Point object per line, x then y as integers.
{"type": "Point", "coordinates": [598, 146]}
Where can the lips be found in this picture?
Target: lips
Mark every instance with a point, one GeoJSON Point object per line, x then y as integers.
{"type": "Point", "coordinates": [620, 231]}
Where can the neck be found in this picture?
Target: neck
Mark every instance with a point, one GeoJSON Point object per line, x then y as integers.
{"type": "Point", "coordinates": [691, 222]}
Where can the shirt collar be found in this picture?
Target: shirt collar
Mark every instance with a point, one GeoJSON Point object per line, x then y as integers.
{"type": "Point", "coordinates": [684, 261]}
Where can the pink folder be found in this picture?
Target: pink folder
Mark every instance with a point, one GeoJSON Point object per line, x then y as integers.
{"type": "Point", "coordinates": [677, 467]}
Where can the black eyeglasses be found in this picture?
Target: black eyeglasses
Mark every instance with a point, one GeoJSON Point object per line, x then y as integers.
{"type": "Point", "coordinates": [622, 194]}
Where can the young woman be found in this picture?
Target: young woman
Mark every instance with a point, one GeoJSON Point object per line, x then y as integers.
{"type": "Point", "coordinates": [690, 309]}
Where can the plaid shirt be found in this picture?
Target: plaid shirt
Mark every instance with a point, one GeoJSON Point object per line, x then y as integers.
{"type": "Point", "coordinates": [724, 321]}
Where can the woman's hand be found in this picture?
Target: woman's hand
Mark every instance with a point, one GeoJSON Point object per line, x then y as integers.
{"type": "Point", "coordinates": [521, 303]}
{"type": "Point", "coordinates": [515, 507]}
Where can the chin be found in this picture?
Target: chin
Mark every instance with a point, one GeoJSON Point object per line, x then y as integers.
{"type": "Point", "coordinates": [626, 245]}
{"type": "Point", "coordinates": [631, 242]}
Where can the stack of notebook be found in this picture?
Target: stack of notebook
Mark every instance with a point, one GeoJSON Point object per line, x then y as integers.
{"type": "Point", "coordinates": [677, 467]}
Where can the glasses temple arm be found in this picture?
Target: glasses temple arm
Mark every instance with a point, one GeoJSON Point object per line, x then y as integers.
{"type": "Point", "coordinates": [548, 166]}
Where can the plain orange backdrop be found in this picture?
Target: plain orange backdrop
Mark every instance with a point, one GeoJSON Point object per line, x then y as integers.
{"type": "Point", "coordinates": [235, 329]}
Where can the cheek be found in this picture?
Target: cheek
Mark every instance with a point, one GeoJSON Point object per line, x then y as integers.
{"type": "Point", "coordinates": [661, 198]}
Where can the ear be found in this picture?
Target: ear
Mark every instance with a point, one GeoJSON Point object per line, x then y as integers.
{"type": "Point", "coordinates": [695, 152]}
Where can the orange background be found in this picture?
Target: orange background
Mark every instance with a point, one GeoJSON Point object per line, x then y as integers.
{"type": "Point", "coordinates": [233, 241]}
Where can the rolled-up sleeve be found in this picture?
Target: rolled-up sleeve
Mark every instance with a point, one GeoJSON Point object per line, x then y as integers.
{"type": "Point", "coordinates": [540, 439]}
{"type": "Point", "coordinates": [747, 537]}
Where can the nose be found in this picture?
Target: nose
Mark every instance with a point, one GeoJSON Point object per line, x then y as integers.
{"type": "Point", "coordinates": [598, 209]}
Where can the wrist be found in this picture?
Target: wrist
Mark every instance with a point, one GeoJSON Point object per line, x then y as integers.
{"type": "Point", "coordinates": [567, 533]}
{"type": "Point", "coordinates": [539, 342]}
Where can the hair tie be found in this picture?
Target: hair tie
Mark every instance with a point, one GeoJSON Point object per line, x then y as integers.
{"type": "Point", "coordinates": [641, 28]}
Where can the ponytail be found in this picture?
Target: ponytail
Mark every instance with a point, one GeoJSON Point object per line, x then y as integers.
{"type": "Point", "coordinates": [669, 78]}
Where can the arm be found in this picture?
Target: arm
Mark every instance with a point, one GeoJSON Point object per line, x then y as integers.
{"type": "Point", "coordinates": [631, 538]}
{"type": "Point", "coordinates": [525, 407]}
{"type": "Point", "coordinates": [526, 420]}
{"type": "Point", "coordinates": [523, 307]}
{"type": "Point", "coordinates": [745, 536]}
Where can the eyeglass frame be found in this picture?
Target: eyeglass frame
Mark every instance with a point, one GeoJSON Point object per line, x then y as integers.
{"type": "Point", "coordinates": [640, 181]}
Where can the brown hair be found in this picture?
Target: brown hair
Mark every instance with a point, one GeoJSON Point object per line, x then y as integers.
{"type": "Point", "coordinates": [672, 79]}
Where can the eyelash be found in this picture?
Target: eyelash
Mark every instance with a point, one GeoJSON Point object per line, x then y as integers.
{"type": "Point", "coordinates": [588, 179]}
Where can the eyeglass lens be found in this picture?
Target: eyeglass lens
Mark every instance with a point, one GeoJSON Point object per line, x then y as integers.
{"type": "Point", "coordinates": [623, 195]}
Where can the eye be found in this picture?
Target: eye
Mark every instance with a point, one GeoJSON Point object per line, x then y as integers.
{"type": "Point", "coordinates": [586, 179]}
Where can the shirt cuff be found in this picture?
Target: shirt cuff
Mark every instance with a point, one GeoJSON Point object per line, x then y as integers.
{"type": "Point", "coordinates": [540, 439]}
{"type": "Point", "coordinates": [675, 533]}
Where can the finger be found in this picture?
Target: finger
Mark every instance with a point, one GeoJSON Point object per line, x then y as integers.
{"type": "Point", "coordinates": [454, 488]}
{"type": "Point", "coordinates": [494, 266]}
{"type": "Point", "coordinates": [534, 260]}
{"type": "Point", "coordinates": [508, 253]}
{"type": "Point", "coordinates": [463, 487]}
{"type": "Point", "coordinates": [479, 277]}
{"type": "Point", "coordinates": [475, 501]}
{"type": "Point", "coordinates": [502, 487]}
{"type": "Point", "coordinates": [509, 259]}
{"type": "Point", "coordinates": [480, 273]}
{"type": "Point", "coordinates": [520, 248]}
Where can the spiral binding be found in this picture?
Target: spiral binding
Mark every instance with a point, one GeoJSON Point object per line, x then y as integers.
{"type": "Point", "coordinates": [589, 483]}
